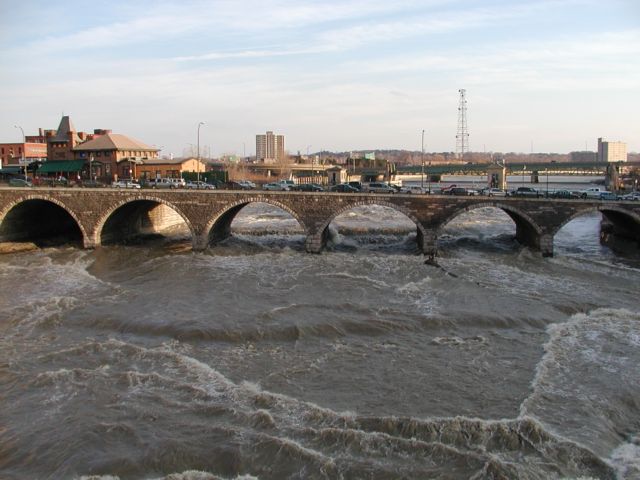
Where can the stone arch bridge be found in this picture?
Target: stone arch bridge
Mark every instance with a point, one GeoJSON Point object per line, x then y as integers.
{"type": "Point", "coordinates": [96, 214]}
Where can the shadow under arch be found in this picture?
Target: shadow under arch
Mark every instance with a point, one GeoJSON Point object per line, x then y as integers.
{"type": "Point", "coordinates": [41, 219]}
{"type": "Point", "coordinates": [617, 221]}
{"type": "Point", "coordinates": [141, 217]}
{"type": "Point", "coordinates": [528, 232]}
{"type": "Point", "coordinates": [219, 227]}
{"type": "Point", "coordinates": [323, 232]}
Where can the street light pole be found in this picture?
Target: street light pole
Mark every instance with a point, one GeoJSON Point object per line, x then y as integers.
{"type": "Point", "coordinates": [422, 171]}
{"type": "Point", "coordinates": [198, 165]}
{"type": "Point", "coordinates": [547, 182]}
{"type": "Point", "coordinates": [24, 144]}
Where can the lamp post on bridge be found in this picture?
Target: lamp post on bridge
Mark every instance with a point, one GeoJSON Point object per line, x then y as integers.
{"type": "Point", "coordinates": [24, 144]}
{"type": "Point", "coordinates": [422, 162]}
{"type": "Point", "coordinates": [198, 157]}
{"type": "Point", "coordinates": [547, 182]}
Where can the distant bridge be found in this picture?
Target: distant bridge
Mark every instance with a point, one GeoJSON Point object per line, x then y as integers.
{"type": "Point", "coordinates": [97, 216]}
{"type": "Point", "coordinates": [515, 168]}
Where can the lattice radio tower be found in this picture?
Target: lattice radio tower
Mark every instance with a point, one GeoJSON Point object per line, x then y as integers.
{"type": "Point", "coordinates": [462, 138]}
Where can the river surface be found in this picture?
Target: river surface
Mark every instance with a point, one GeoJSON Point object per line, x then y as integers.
{"type": "Point", "coordinates": [256, 360]}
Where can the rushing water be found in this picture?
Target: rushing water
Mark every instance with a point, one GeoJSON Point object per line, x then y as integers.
{"type": "Point", "coordinates": [257, 360]}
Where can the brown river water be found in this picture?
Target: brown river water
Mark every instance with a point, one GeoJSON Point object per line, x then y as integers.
{"type": "Point", "coordinates": [256, 360]}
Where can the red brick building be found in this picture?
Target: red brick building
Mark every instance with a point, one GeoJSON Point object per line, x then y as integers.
{"type": "Point", "coordinates": [113, 155]}
{"type": "Point", "coordinates": [11, 153]}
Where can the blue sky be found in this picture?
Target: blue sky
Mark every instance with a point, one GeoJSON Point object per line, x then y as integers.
{"type": "Point", "coordinates": [333, 75]}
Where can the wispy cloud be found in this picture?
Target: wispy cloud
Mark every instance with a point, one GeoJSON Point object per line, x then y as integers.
{"type": "Point", "coordinates": [341, 73]}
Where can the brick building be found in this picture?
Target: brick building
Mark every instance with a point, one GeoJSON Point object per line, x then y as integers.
{"type": "Point", "coordinates": [169, 168]}
{"type": "Point", "coordinates": [11, 153]}
{"type": "Point", "coordinates": [61, 142]}
{"type": "Point", "coordinates": [112, 155]}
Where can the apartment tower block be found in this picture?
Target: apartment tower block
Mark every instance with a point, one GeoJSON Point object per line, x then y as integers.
{"type": "Point", "coordinates": [269, 148]}
{"type": "Point", "coordinates": [611, 151]}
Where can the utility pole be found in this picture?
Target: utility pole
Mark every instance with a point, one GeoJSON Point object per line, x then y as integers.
{"type": "Point", "coordinates": [198, 164]}
{"type": "Point", "coordinates": [24, 144]}
{"type": "Point", "coordinates": [422, 161]}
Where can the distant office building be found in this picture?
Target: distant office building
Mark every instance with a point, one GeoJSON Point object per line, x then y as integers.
{"type": "Point", "coordinates": [611, 151]}
{"type": "Point", "coordinates": [269, 148]}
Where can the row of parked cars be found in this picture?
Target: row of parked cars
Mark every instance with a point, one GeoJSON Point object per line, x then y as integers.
{"type": "Point", "coordinates": [171, 183]}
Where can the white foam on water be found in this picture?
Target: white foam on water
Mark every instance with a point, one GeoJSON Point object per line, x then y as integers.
{"type": "Point", "coordinates": [626, 459]}
{"type": "Point", "coordinates": [585, 382]}
{"type": "Point", "coordinates": [186, 475]}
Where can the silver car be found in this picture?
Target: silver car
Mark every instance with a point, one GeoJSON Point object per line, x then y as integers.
{"type": "Point", "coordinates": [275, 187]}
{"type": "Point", "coordinates": [125, 184]}
{"type": "Point", "coordinates": [495, 192]}
{"type": "Point", "coordinates": [414, 190]}
{"type": "Point", "coordinates": [199, 185]}
{"type": "Point", "coordinates": [633, 196]}
{"type": "Point", "coordinates": [379, 187]}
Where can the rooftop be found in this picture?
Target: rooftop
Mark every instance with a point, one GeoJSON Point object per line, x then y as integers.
{"type": "Point", "coordinates": [114, 141]}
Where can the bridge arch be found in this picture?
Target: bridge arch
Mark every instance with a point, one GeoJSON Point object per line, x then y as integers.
{"type": "Point", "coordinates": [60, 218]}
{"type": "Point", "coordinates": [137, 207]}
{"type": "Point", "coordinates": [318, 241]}
{"type": "Point", "coordinates": [610, 211]}
{"type": "Point", "coordinates": [219, 227]}
{"type": "Point", "coordinates": [622, 222]}
{"type": "Point", "coordinates": [528, 232]}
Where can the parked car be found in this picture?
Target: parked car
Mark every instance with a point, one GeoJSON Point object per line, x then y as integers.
{"type": "Point", "coordinates": [495, 192]}
{"type": "Point", "coordinates": [608, 196]}
{"type": "Point", "coordinates": [413, 190]}
{"type": "Point", "coordinates": [93, 184]}
{"type": "Point", "coordinates": [633, 196]}
{"type": "Point", "coordinates": [344, 188]}
{"type": "Point", "coordinates": [199, 185]}
{"type": "Point", "coordinates": [275, 187]}
{"type": "Point", "coordinates": [356, 185]}
{"type": "Point", "coordinates": [179, 182]}
{"type": "Point", "coordinates": [161, 183]}
{"type": "Point", "coordinates": [457, 191]}
{"type": "Point", "coordinates": [235, 186]}
{"type": "Point", "coordinates": [446, 190]}
{"type": "Point", "coordinates": [308, 187]}
{"type": "Point", "coordinates": [20, 182]}
{"type": "Point", "coordinates": [247, 184]}
{"type": "Point", "coordinates": [563, 194]}
{"type": "Point", "coordinates": [379, 187]}
{"type": "Point", "coordinates": [526, 192]}
{"type": "Point", "coordinates": [289, 184]}
{"type": "Point", "coordinates": [125, 184]}
{"type": "Point", "coordinates": [593, 192]}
